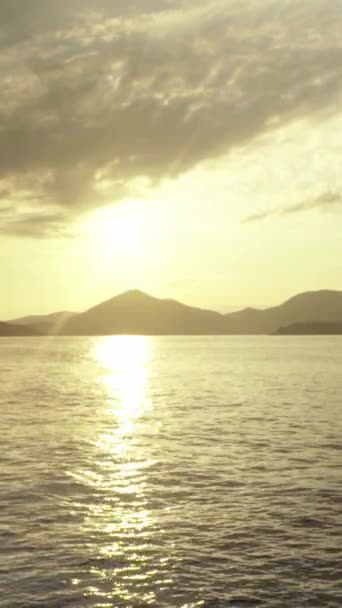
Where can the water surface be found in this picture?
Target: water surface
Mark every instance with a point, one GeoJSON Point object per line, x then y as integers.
{"type": "Point", "coordinates": [167, 472]}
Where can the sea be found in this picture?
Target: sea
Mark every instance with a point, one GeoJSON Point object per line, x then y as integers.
{"type": "Point", "coordinates": [176, 472]}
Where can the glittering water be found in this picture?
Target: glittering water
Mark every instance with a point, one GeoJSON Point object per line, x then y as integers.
{"type": "Point", "coordinates": [170, 472]}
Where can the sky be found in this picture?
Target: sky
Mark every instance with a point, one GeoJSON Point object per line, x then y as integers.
{"type": "Point", "coordinates": [188, 149]}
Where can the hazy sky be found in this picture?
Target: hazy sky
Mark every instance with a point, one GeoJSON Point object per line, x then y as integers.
{"type": "Point", "coordinates": [189, 149]}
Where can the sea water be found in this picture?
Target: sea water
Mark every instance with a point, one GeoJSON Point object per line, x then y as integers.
{"type": "Point", "coordinates": [170, 472]}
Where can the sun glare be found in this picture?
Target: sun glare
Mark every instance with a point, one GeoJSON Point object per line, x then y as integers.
{"type": "Point", "coordinates": [125, 362]}
{"type": "Point", "coordinates": [119, 231]}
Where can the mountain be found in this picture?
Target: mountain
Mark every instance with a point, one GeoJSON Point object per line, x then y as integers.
{"type": "Point", "coordinates": [310, 329]}
{"type": "Point", "coordinates": [135, 312]}
{"type": "Point", "coordinates": [45, 324]}
{"type": "Point", "coordinates": [315, 306]}
{"type": "Point", "coordinates": [9, 330]}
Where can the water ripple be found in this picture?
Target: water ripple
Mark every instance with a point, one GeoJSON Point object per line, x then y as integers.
{"type": "Point", "coordinates": [170, 472]}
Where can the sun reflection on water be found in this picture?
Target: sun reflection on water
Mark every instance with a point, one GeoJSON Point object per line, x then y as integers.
{"type": "Point", "coordinates": [125, 361]}
{"type": "Point", "coordinates": [121, 515]}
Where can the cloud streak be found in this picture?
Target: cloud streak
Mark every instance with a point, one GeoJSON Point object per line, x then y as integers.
{"type": "Point", "coordinates": [330, 202]}
{"type": "Point", "coordinates": [107, 98]}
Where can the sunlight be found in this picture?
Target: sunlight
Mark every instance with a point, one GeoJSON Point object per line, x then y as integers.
{"type": "Point", "coordinates": [119, 230]}
{"type": "Point", "coordinates": [125, 360]}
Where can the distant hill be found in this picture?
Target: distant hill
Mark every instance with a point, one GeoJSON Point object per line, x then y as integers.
{"type": "Point", "coordinates": [45, 324]}
{"type": "Point", "coordinates": [316, 306]}
{"type": "Point", "coordinates": [135, 312]}
{"type": "Point", "coordinates": [310, 329]}
{"type": "Point", "coordinates": [8, 330]}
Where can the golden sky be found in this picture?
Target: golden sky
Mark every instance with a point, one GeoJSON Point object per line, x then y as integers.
{"type": "Point", "coordinates": [191, 150]}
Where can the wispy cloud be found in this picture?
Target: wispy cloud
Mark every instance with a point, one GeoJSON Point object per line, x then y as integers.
{"type": "Point", "coordinates": [107, 94]}
{"type": "Point", "coordinates": [327, 202]}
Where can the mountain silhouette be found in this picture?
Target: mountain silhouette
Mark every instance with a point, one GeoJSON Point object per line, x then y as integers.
{"type": "Point", "coordinates": [9, 330]}
{"type": "Point", "coordinates": [314, 306]}
{"type": "Point", "coordinates": [135, 312]}
{"type": "Point", "coordinates": [46, 324]}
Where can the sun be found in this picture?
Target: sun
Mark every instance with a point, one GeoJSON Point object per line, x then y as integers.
{"type": "Point", "coordinates": [121, 240]}
{"type": "Point", "coordinates": [118, 230]}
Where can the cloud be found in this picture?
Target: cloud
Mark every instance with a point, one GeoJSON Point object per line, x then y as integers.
{"type": "Point", "coordinates": [259, 217]}
{"type": "Point", "coordinates": [327, 202]}
{"type": "Point", "coordinates": [33, 223]}
{"type": "Point", "coordinates": [36, 225]}
{"type": "Point", "coordinates": [98, 97]}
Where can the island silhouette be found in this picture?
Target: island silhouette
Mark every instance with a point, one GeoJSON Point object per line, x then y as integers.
{"type": "Point", "coordinates": [309, 329]}
{"type": "Point", "coordinates": [135, 312]}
